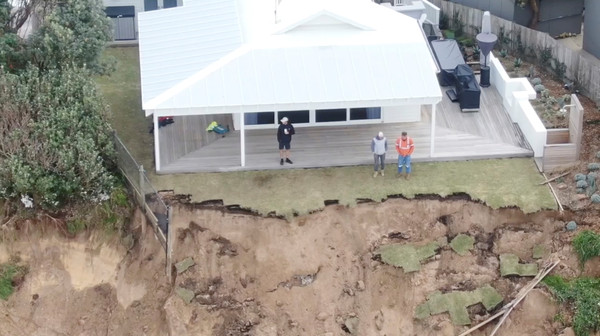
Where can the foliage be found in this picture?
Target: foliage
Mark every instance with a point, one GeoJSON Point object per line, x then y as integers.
{"type": "Point", "coordinates": [584, 293]}
{"type": "Point", "coordinates": [582, 184]}
{"type": "Point", "coordinates": [407, 256]}
{"type": "Point", "coordinates": [539, 88]}
{"type": "Point", "coordinates": [546, 56]}
{"type": "Point", "coordinates": [560, 69]}
{"type": "Point", "coordinates": [518, 62]}
{"type": "Point", "coordinates": [587, 245]}
{"type": "Point", "coordinates": [503, 53]}
{"type": "Point", "coordinates": [110, 215]}
{"type": "Point", "coordinates": [55, 143]}
{"type": "Point", "coordinates": [462, 243]}
{"type": "Point", "coordinates": [9, 274]}
{"type": "Point", "coordinates": [536, 81]}
{"type": "Point", "coordinates": [444, 21]}
{"type": "Point", "coordinates": [595, 198]}
{"type": "Point", "coordinates": [457, 24]}
{"type": "Point", "coordinates": [74, 34]}
{"type": "Point", "coordinates": [594, 166]}
{"type": "Point", "coordinates": [571, 226]}
{"type": "Point", "coordinates": [580, 177]}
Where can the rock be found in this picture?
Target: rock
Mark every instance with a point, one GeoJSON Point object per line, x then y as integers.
{"type": "Point", "coordinates": [186, 294]}
{"type": "Point", "coordinates": [567, 332]}
{"type": "Point", "coordinates": [561, 186]}
{"type": "Point", "coordinates": [352, 325]}
{"type": "Point", "coordinates": [183, 265]}
{"type": "Point", "coordinates": [293, 323]}
{"type": "Point", "coordinates": [279, 303]}
{"type": "Point", "coordinates": [360, 285]}
{"type": "Point", "coordinates": [339, 320]}
{"type": "Point", "coordinates": [379, 320]}
{"type": "Point", "coordinates": [349, 291]}
{"type": "Point", "coordinates": [322, 316]}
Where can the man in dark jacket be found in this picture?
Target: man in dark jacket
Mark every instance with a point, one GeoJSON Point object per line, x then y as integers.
{"type": "Point", "coordinates": [284, 137]}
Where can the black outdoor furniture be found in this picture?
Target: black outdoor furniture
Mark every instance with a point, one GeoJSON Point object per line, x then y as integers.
{"type": "Point", "coordinates": [466, 89]}
{"type": "Point", "coordinates": [447, 55]}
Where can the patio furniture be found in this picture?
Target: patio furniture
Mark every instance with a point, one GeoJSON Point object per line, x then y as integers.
{"type": "Point", "coordinates": [467, 90]}
{"type": "Point", "coordinates": [447, 55]}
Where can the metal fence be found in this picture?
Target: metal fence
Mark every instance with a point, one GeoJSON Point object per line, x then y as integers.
{"type": "Point", "coordinates": [145, 195]}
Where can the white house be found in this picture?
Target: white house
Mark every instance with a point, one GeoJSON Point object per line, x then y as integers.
{"type": "Point", "coordinates": [318, 62]}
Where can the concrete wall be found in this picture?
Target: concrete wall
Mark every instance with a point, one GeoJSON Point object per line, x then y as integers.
{"type": "Point", "coordinates": [591, 24]}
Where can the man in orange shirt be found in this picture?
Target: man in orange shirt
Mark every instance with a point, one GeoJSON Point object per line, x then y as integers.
{"type": "Point", "coordinates": [405, 146]}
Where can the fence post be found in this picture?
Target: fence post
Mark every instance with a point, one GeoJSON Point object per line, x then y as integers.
{"type": "Point", "coordinates": [142, 196]}
{"type": "Point", "coordinates": [169, 243]}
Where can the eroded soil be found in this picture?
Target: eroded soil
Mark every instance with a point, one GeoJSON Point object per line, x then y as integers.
{"type": "Point", "coordinates": [268, 276]}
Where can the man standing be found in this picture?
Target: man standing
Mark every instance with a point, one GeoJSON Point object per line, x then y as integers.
{"type": "Point", "coordinates": [405, 146]}
{"type": "Point", "coordinates": [379, 147]}
{"type": "Point", "coordinates": [284, 137]}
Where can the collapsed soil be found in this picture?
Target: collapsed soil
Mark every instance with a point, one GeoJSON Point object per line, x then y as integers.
{"type": "Point", "coordinates": [267, 276]}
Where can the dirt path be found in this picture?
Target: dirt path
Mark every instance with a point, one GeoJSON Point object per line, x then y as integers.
{"type": "Point", "coordinates": [315, 275]}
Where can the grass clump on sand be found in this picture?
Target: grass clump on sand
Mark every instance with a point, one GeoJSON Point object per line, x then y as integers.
{"type": "Point", "coordinates": [407, 256]}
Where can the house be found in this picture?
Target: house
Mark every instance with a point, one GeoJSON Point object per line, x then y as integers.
{"type": "Point", "coordinates": [248, 63]}
{"type": "Point", "coordinates": [124, 14]}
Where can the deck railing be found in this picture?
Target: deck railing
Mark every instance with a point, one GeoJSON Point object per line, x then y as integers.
{"type": "Point", "coordinates": [516, 93]}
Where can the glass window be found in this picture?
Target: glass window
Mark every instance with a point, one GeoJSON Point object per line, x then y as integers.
{"type": "Point", "coordinates": [362, 113]}
{"type": "Point", "coordinates": [259, 118]}
{"type": "Point", "coordinates": [295, 117]}
{"type": "Point", "coordinates": [331, 115]}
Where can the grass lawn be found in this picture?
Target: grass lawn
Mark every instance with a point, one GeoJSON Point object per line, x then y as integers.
{"type": "Point", "coordinates": [498, 183]}
{"type": "Point", "coordinates": [122, 92]}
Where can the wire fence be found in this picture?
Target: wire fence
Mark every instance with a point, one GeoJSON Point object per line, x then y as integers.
{"type": "Point", "coordinates": [145, 195]}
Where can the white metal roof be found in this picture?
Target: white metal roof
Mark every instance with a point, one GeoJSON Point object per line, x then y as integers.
{"type": "Point", "coordinates": [177, 42]}
{"type": "Point", "coordinates": [359, 55]}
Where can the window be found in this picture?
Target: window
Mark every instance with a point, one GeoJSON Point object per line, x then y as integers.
{"type": "Point", "coordinates": [295, 117]}
{"type": "Point", "coordinates": [331, 115]}
{"type": "Point", "coordinates": [259, 118]}
{"type": "Point", "coordinates": [363, 113]}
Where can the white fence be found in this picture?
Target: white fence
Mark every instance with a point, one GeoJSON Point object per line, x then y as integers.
{"type": "Point", "coordinates": [516, 94]}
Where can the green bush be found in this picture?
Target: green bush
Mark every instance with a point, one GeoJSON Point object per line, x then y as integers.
{"type": "Point", "coordinates": [595, 198]}
{"type": "Point", "coordinates": [9, 273]}
{"type": "Point", "coordinates": [580, 177]}
{"type": "Point", "coordinates": [594, 166]}
{"type": "Point", "coordinates": [518, 62]}
{"type": "Point", "coordinates": [536, 81]}
{"type": "Point", "coordinates": [539, 88]}
{"type": "Point", "coordinates": [587, 245]}
{"type": "Point", "coordinates": [584, 294]}
{"type": "Point", "coordinates": [582, 184]}
{"type": "Point", "coordinates": [580, 191]}
{"type": "Point", "coordinates": [503, 53]}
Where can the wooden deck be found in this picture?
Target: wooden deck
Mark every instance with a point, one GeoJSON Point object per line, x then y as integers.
{"type": "Point", "coordinates": [488, 133]}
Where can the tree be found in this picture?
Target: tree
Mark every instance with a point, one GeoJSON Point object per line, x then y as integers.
{"type": "Point", "coordinates": [75, 33]}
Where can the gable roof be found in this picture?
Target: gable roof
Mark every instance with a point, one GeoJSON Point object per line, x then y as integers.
{"type": "Point", "coordinates": [326, 56]}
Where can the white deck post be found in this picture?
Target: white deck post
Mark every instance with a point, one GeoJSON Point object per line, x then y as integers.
{"type": "Point", "coordinates": [432, 140]}
{"type": "Point", "coordinates": [156, 141]}
{"type": "Point", "coordinates": [242, 139]}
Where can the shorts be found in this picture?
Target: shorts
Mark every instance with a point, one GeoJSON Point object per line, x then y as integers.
{"type": "Point", "coordinates": [283, 145]}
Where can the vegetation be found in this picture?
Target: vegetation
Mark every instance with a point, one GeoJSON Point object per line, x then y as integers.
{"type": "Point", "coordinates": [583, 294]}
{"type": "Point", "coordinates": [10, 274]}
{"type": "Point", "coordinates": [407, 256]}
{"type": "Point", "coordinates": [55, 142]}
{"type": "Point", "coordinates": [587, 245]}
{"type": "Point", "coordinates": [109, 216]}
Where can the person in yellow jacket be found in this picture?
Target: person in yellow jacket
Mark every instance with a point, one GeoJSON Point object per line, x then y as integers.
{"type": "Point", "coordinates": [405, 146]}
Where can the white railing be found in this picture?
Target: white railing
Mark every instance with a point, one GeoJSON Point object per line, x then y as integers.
{"type": "Point", "coordinates": [516, 94]}
{"type": "Point", "coordinates": [432, 11]}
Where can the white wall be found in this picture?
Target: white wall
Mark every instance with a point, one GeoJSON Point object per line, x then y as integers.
{"type": "Point", "coordinates": [405, 113]}
{"type": "Point", "coordinates": [516, 94]}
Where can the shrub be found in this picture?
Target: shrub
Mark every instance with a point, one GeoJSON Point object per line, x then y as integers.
{"type": "Point", "coordinates": [582, 184]}
{"type": "Point", "coordinates": [546, 55]}
{"type": "Point", "coordinates": [594, 166]}
{"type": "Point", "coordinates": [580, 177]}
{"type": "Point", "coordinates": [571, 226]}
{"type": "Point", "coordinates": [595, 198]}
{"type": "Point", "coordinates": [9, 274]}
{"type": "Point", "coordinates": [539, 88]}
{"type": "Point", "coordinates": [587, 245]}
{"type": "Point", "coordinates": [584, 294]}
{"type": "Point", "coordinates": [536, 81]}
{"type": "Point", "coordinates": [503, 53]}
{"type": "Point", "coordinates": [518, 62]}
{"type": "Point", "coordinates": [580, 191]}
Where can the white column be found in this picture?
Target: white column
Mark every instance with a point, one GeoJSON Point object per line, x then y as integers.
{"type": "Point", "coordinates": [156, 142]}
{"type": "Point", "coordinates": [243, 139]}
{"type": "Point", "coordinates": [432, 143]}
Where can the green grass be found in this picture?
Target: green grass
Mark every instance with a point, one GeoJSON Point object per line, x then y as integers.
{"type": "Point", "coordinates": [407, 256]}
{"type": "Point", "coordinates": [498, 183]}
{"type": "Point", "coordinates": [587, 245]}
{"type": "Point", "coordinates": [462, 243]}
{"type": "Point", "coordinates": [509, 265]}
{"type": "Point", "coordinates": [8, 274]}
{"type": "Point", "coordinates": [122, 92]}
{"type": "Point", "coordinates": [584, 295]}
